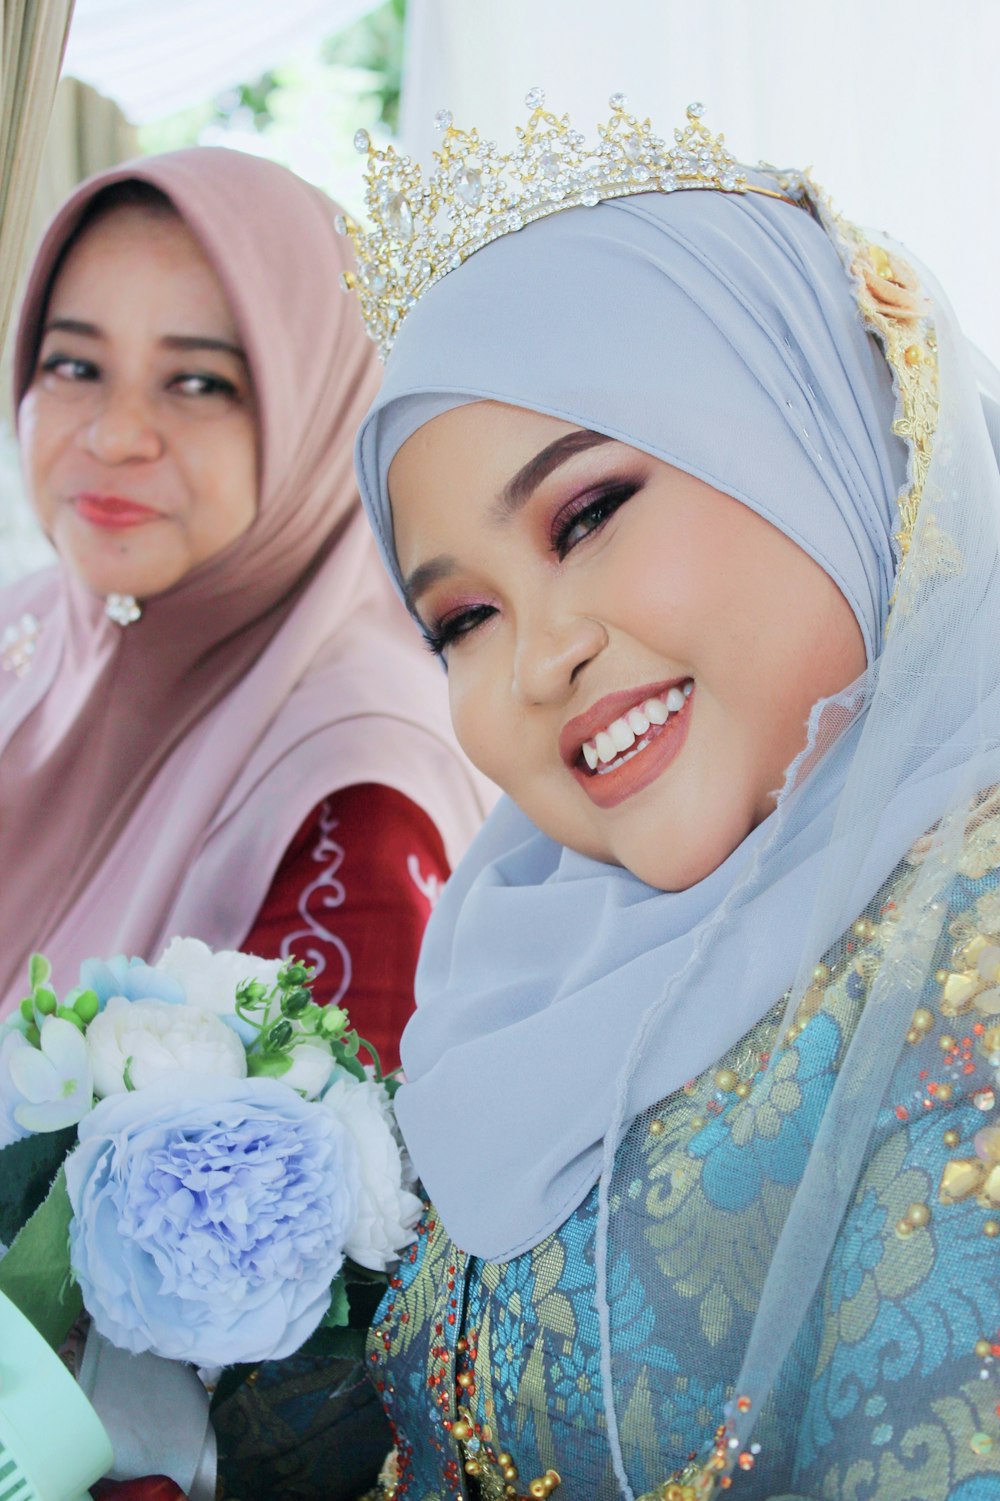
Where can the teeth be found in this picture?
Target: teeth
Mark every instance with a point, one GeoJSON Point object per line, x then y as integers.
{"type": "Point", "coordinates": [605, 746]}
{"type": "Point", "coordinates": [621, 735]}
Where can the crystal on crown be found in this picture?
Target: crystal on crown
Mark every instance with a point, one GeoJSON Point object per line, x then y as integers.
{"type": "Point", "coordinates": [423, 229]}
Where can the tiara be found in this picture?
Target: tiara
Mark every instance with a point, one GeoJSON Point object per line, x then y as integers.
{"type": "Point", "coordinates": [421, 230]}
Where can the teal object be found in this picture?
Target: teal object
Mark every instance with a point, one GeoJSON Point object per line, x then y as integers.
{"type": "Point", "coordinates": [52, 1443]}
{"type": "Point", "coordinates": [887, 1393]}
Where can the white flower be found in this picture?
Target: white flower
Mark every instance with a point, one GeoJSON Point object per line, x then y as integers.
{"type": "Point", "coordinates": [312, 1065]}
{"type": "Point", "coordinates": [49, 1087]}
{"type": "Point", "coordinates": [387, 1209]}
{"type": "Point", "coordinates": [151, 1038]}
{"type": "Point", "coordinates": [10, 1131]}
{"type": "Point", "coordinates": [210, 980]}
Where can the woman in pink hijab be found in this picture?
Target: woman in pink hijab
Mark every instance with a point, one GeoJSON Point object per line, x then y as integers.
{"type": "Point", "coordinates": [213, 720]}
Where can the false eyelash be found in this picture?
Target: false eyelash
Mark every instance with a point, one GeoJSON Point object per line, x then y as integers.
{"type": "Point", "coordinates": [438, 638]}
{"type": "Point", "coordinates": [614, 496]}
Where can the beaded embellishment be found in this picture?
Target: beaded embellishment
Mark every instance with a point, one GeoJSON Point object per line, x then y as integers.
{"type": "Point", "coordinates": [17, 645]}
{"type": "Point", "coordinates": [476, 194]}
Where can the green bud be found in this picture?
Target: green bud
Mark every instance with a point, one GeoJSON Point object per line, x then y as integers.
{"type": "Point", "coordinates": [87, 1005]}
{"type": "Point", "coordinates": [333, 1021]}
{"type": "Point", "coordinates": [28, 1009]}
{"type": "Point", "coordinates": [34, 1036]}
{"type": "Point", "coordinates": [45, 1001]}
{"type": "Point", "coordinates": [67, 1014]}
{"type": "Point", "coordinates": [279, 1035]}
{"type": "Point", "coordinates": [295, 974]}
{"type": "Point", "coordinates": [39, 970]}
{"type": "Point", "coordinates": [296, 1001]}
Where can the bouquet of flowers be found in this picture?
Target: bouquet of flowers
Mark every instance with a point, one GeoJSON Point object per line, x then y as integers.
{"type": "Point", "coordinates": [195, 1154]}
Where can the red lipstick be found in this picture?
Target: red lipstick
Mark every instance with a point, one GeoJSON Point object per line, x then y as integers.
{"type": "Point", "coordinates": [113, 512]}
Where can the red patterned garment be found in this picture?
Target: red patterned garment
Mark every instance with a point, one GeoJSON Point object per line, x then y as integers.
{"type": "Point", "coordinates": [352, 896]}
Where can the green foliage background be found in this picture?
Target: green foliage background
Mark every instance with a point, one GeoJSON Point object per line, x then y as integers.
{"type": "Point", "coordinates": [304, 112]}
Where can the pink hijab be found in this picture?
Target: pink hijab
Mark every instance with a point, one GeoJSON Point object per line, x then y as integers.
{"type": "Point", "coordinates": [152, 777]}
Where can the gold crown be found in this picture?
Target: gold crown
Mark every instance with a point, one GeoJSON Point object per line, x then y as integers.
{"type": "Point", "coordinates": [475, 194]}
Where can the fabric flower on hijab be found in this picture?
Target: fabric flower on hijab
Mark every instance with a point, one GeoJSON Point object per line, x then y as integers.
{"type": "Point", "coordinates": [209, 1227]}
{"type": "Point", "coordinates": [892, 285]}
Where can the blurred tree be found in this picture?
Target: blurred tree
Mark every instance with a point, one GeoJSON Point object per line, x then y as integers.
{"type": "Point", "coordinates": [375, 43]}
{"type": "Point", "coordinates": [304, 111]}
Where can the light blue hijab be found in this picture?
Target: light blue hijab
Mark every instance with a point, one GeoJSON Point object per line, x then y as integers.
{"type": "Point", "coordinates": [721, 334]}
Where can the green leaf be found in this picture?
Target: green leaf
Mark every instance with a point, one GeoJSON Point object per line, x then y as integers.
{"type": "Point", "coordinates": [268, 1065]}
{"type": "Point", "coordinates": [335, 1344]}
{"type": "Point", "coordinates": [350, 1065]}
{"type": "Point", "coordinates": [27, 1168]}
{"type": "Point", "coordinates": [39, 970]}
{"type": "Point", "coordinates": [36, 1273]}
{"type": "Point", "coordinates": [339, 1311]}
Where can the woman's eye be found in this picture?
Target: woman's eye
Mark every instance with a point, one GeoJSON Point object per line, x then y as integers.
{"type": "Point", "coordinates": [452, 628]}
{"type": "Point", "coordinates": [578, 520]}
{"type": "Point", "coordinates": [203, 385]}
{"type": "Point", "coordinates": [65, 367]}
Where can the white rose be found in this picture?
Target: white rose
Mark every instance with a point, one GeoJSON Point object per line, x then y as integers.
{"type": "Point", "coordinates": [387, 1209]}
{"type": "Point", "coordinates": [312, 1065]}
{"type": "Point", "coordinates": [210, 980]}
{"type": "Point", "coordinates": [151, 1038]}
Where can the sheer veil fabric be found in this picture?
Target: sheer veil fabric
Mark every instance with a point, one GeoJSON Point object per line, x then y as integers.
{"type": "Point", "coordinates": [721, 334]}
{"type": "Point", "coordinates": [151, 778]}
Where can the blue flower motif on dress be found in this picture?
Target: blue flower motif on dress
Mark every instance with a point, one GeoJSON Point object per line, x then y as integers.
{"type": "Point", "coordinates": [689, 1412]}
{"type": "Point", "coordinates": [887, 1317]}
{"type": "Point", "coordinates": [768, 1136]}
{"type": "Point", "coordinates": [861, 1249]}
{"type": "Point", "coordinates": [513, 1321]}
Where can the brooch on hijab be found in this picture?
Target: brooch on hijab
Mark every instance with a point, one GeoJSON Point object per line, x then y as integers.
{"type": "Point", "coordinates": [17, 645]}
{"type": "Point", "coordinates": [123, 609]}
{"type": "Point", "coordinates": [422, 230]}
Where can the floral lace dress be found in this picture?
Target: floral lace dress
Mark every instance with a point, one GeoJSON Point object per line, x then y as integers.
{"type": "Point", "coordinates": [491, 1373]}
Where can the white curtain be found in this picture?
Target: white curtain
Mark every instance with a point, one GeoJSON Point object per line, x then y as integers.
{"type": "Point", "coordinates": [31, 46]}
{"type": "Point", "coordinates": [154, 57]}
{"type": "Point", "coordinates": [895, 104]}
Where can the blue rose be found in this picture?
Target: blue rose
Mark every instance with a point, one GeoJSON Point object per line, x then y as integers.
{"type": "Point", "coordinates": [132, 978]}
{"type": "Point", "coordinates": [209, 1217]}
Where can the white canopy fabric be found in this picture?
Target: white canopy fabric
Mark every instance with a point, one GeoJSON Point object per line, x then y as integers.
{"type": "Point", "coordinates": [895, 104]}
{"type": "Point", "coordinates": [155, 57]}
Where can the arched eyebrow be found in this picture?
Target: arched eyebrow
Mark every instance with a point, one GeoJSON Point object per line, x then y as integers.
{"type": "Point", "coordinates": [517, 491]}
{"type": "Point", "coordinates": [169, 341]}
